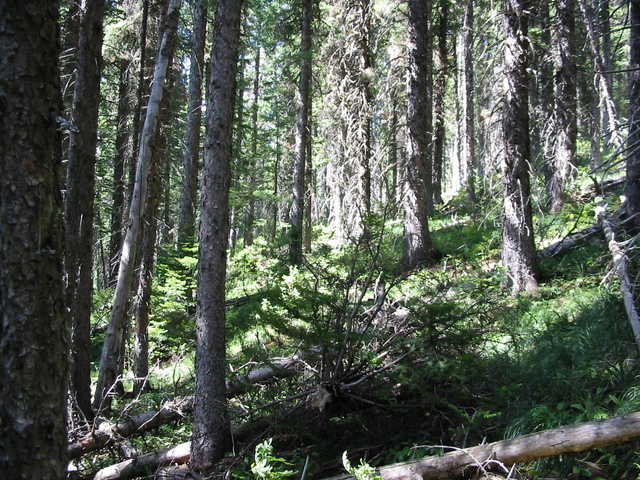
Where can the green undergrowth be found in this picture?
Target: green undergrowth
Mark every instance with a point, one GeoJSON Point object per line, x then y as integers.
{"type": "Point", "coordinates": [456, 360]}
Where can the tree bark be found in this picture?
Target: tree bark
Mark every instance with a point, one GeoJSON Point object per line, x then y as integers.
{"type": "Point", "coordinates": [469, 134]}
{"type": "Point", "coordinates": [518, 245]}
{"type": "Point", "coordinates": [605, 90]}
{"type": "Point", "coordinates": [418, 247]}
{"type": "Point", "coordinates": [573, 438]}
{"type": "Point", "coordinates": [34, 369]}
{"type": "Point", "coordinates": [112, 348]}
{"type": "Point", "coordinates": [211, 427]}
{"type": "Point", "coordinates": [117, 196]}
{"type": "Point", "coordinates": [189, 192]}
{"type": "Point", "coordinates": [627, 287]}
{"type": "Point", "coordinates": [302, 133]}
{"type": "Point", "coordinates": [632, 188]}
{"type": "Point", "coordinates": [442, 72]}
{"type": "Point", "coordinates": [566, 130]}
{"type": "Point", "coordinates": [79, 201]}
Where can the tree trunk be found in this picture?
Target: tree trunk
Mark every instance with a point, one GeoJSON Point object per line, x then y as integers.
{"type": "Point", "coordinates": [189, 192]}
{"type": "Point", "coordinates": [79, 201]}
{"type": "Point", "coordinates": [518, 245]}
{"type": "Point", "coordinates": [418, 247]}
{"type": "Point", "coordinates": [632, 188]}
{"type": "Point", "coordinates": [211, 427]}
{"type": "Point", "coordinates": [34, 346]}
{"type": "Point", "coordinates": [253, 159]}
{"type": "Point", "coordinates": [117, 196]}
{"type": "Point", "coordinates": [302, 133]}
{"type": "Point", "coordinates": [439, 100]}
{"type": "Point", "coordinates": [574, 438]}
{"type": "Point", "coordinates": [469, 133]}
{"type": "Point", "coordinates": [566, 129]}
{"type": "Point", "coordinates": [112, 348]}
{"type": "Point", "coordinates": [603, 80]}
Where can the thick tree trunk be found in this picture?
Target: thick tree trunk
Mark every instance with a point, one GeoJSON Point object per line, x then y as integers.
{"type": "Point", "coordinates": [302, 133]}
{"type": "Point", "coordinates": [189, 192]}
{"type": "Point", "coordinates": [566, 104]}
{"type": "Point", "coordinates": [518, 245]}
{"type": "Point", "coordinates": [418, 247]}
{"type": "Point", "coordinates": [574, 438]}
{"type": "Point", "coordinates": [79, 201]}
{"type": "Point", "coordinates": [112, 348]}
{"type": "Point", "coordinates": [33, 329]}
{"type": "Point", "coordinates": [211, 427]}
{"type": "Point", "coordinates": [632, 188]}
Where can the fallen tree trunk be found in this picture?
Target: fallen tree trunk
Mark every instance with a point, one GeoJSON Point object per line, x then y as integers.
{"type": "Point", "coordinates": [620, 266]}
{"type": "Point", "coordinates": [557, 441]}
{"type": "Point", "coordinates": [573, 438]}
{"type": "Point", "coordinates": [568, 243]}
{"type": "Point", "coordinates": [107, 433]}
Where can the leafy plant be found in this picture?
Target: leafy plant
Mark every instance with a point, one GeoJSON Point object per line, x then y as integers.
{"type": "Point", "coordinates": [364, 471]}
{"type": "Point", "coordinates": [268, 467]}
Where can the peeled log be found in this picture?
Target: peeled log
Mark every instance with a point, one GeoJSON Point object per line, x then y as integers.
{"type": "Point", "coordinates": [620, 266]}
{"type": "Point", "coordinates": [557, 441]}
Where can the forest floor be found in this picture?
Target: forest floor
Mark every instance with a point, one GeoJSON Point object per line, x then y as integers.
{"type": "Point", "coordinates": [447, 360]}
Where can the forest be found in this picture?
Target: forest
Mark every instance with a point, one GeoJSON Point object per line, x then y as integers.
{"type": "Point", "coordinates": [319, 239]}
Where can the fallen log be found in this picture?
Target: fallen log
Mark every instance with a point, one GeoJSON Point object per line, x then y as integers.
{"type": "Point", "coordinates": [557, 441]}
{"type": "Point", "coordinates": [108, 433]}
{"type": "Point", "coordinates": [568, 243]}
{"type": "Point", "coordinates": [620, 266]}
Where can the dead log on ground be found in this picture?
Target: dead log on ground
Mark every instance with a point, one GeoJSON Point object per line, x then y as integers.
{"type": "Point", "coordinates": [108, 433]}
{"type": "Point", "coordinates": [620, 266]}
{"type": "Point", "coordinates": [568, 243]}
{"type": "Point", "coordinates": [557, 441]}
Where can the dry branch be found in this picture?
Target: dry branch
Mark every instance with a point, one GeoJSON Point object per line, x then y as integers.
{"type": "Point", "coordinates": [108, 433]}
{"type": "Point", "coordinates": [557, 441]}
{"type": "Point", "coordinates": [620, 266]}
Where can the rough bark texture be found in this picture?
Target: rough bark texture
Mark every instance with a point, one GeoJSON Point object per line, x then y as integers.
{"type": "Point", "coordinates": [189, 192]}
{"type": "Point", "coordinates": [302, 133]}
{"type": "Point", "coordinates": [632, 188]}
{"type": "Point", "coordinates": [112, 348]}
{"type": "Point", "coordinates": [418, 247]}
{"type": "Point", "coordinates": [33, 332]}
{"type": "Point", "coordinates": [117, 196]}
{"type": "Point", "coordinates": [566, 104]}
{"type": "Point", "coordinates": [79, 201]}
{"type": "Point", "coordinates": [518, 246]}
{"type": "Point", "coordinates": [574, 438]}
{"type": "Point", "coordinates": [442, 72]}
{"type": "Point", "coordinates": [211, 429]}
